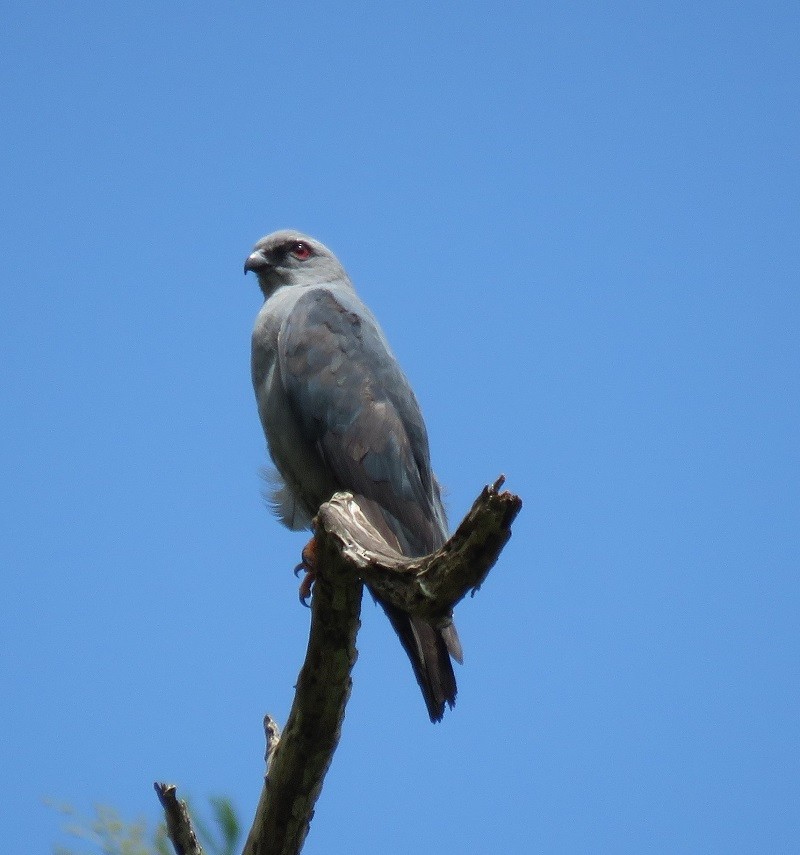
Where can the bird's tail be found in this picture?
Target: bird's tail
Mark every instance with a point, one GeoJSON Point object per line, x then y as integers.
{"type": "Point", "coordinates": [429, 650]}
{"type": "Point", "coordinates": [428, 647]}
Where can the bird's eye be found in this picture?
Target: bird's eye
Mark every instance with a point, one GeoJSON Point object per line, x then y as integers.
{"type": "Point", "coordinates": [301, 250]}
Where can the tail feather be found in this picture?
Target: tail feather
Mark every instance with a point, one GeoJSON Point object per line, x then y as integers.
{"type": "Point", "coordinates": [428, 647]}
{"type": "Point", "coordinates": [430, 658]}
{"type": "Point", "coordinates": [453, 642]}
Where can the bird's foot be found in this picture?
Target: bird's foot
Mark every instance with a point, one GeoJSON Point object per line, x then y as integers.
{"type": "Point", "coordinates": [308, 565]}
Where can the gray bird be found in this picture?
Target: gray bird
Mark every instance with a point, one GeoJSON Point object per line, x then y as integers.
{"type": "Point", "coordinates": [339, 414]}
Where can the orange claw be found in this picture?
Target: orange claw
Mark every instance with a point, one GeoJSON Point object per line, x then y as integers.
{"type": "Point", "coordinates": [308, 563]}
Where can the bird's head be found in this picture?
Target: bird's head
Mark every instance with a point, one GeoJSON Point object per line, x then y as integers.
{"type": "Point", "coordinates": [292, 258]}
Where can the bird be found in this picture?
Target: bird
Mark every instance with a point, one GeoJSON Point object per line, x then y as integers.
{"type": "Point", "coordinates": [338, 413]}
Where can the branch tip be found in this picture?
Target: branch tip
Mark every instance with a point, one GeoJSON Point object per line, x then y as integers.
{"type": "Point", "coordinates": [273, 736]}
{"type": "Point", "coordinates": [179, 825]}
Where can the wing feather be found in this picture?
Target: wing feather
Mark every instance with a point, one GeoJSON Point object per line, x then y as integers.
{"type": "Point", "coordinates": [355, 410]}
{"type": "Point", "coordinates": [355, 407]}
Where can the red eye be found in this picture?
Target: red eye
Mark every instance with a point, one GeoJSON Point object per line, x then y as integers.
{"type": "Point", "coordinates": [301, 251]}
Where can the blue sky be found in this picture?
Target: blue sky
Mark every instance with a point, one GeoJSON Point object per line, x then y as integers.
{"type": "Point", "coordinates": [578, 225]}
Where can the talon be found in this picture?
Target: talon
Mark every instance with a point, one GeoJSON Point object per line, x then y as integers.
{"type": "Point", "coordinates": [305, 589]}
{"type": "Point", "coordinates": [308, 561]}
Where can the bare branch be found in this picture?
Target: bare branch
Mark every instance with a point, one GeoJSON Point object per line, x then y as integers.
{"type": "Point", "coordinates": [348, 545]}
{"type": "Point", "coordinates": [348, 551]}
{"type": "Point", "coordinates": [430, 586]}
{"type": "Point", "coordinates": [179, 826]}
{"type": "Point", "coordinates": [304, 753]}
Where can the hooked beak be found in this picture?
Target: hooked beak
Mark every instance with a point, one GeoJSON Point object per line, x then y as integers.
{"type": "Point", "coordinates": [256, 262]}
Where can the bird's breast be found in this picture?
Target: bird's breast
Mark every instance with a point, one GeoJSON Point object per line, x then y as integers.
{"type": "Point", "coordinates": [294, 455]}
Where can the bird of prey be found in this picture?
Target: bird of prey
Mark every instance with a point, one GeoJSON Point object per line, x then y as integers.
{"type": "Point", "coordinates": [339, 414]}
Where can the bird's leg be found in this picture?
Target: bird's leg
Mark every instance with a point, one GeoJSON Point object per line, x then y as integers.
{"type": "Point", "coordinates": [308, 563]}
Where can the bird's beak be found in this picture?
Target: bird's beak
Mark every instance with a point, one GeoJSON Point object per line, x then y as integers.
{"type": "Point", "coordinates": [256, 262]}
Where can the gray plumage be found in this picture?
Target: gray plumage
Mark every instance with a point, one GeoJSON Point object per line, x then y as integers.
{"type": "Point", "coordinates": [339, 414]}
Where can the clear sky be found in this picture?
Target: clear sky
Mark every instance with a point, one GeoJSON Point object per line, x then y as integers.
{"type": "Point", "coordinates": [578, 225]}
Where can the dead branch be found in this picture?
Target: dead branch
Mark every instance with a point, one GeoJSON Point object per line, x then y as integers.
{"type": "Point", "coordinates": [305, 750]}
{"type": "Point", "coordinates": [350, 551]}
{"type": "Point", "coordinates": [430, 586]}
{"type": "Point", "coordinates": [179, 826]}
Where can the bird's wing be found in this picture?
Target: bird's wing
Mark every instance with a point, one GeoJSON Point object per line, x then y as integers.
{"type": "Point", "coordinates": [353, 404]}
